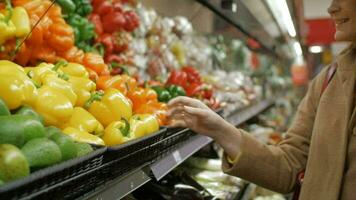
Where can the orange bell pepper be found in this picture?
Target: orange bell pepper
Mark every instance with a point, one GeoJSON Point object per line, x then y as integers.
{"type": "Point", "coordinates": [92, 75]}
{"type": "Point", "coordinates": [156, 108]}
{"type": "Point", "coordinates": [95, 62]}
{"type": "Point", "coordinates": [130, 82]}
{"type": "Point", "coordinates": [117, 82]}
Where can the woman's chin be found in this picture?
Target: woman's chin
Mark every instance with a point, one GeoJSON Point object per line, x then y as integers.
{"type": "Point", "coordinates": [341, 36]}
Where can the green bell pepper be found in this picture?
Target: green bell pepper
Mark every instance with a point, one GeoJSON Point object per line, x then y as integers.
{"type": "Point", "coordinates": [67, 6]}
{"type": "Point", "coordinates": [26, 110]}
{"type": "Point", "coordinates": [162, 94]}
{"type": "Point", "coordinates": [4, 110]}
{"type": "Point", "coordinates": [84, 7]}
{"type": "Point", "coordinates": [18, 129]}
{"type": "Point", "coordinates": [176, 91]}
{"type": "Point", "coordinates": [83, 31]}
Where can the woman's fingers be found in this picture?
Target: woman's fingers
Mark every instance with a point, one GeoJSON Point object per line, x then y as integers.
{"type": "Point", "coordinates": [178, 123]}
{"type": "Point", "coordinates": [175, 110]}
{"type": "Point", "coordinates": [186, 101]}
{"type": "Point", "coordinates": [198, 112]}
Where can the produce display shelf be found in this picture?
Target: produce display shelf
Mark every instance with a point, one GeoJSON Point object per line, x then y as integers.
{"type": "Point", "coordinates": [125, 184]}
{"type": "Point", "coordinates": [241, 116]}
{"type": "Point", "coordinates": [156, 169]}
{"type": "Point", "coordinates": [121, 186]}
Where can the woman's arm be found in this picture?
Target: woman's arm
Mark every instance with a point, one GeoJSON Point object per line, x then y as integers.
{"type": "Point", "coordinates": [273, 167]}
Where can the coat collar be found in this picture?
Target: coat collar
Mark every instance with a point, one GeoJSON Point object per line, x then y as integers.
{"type": "Point", "coordinates": [346, 73]}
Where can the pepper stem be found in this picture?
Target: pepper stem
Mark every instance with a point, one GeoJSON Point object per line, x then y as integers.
{"type": "Point", "coordinates": [9, 9]}
{"type": "Point", "coordinates": [121, 66]}
{"type": "Point", "coordinates": [96, 96]}
{"type": "Point", "coordinates": [125, 131]}
{"type": "Point", "coordinates": [59, 64]}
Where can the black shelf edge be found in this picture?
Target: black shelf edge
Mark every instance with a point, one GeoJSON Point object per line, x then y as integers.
{"type": "Point", "coordinates": [170, 161]}
{"type": "Point", "coordinates": [240, 116]}
{"type": "Point", "coordinates": [121, 186]}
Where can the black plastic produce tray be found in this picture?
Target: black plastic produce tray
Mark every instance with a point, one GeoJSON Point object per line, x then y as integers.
{"type": "Point", "coordinates": [123, 150]}
{"type": "Point", "coordinates": [129, 156]}
{"type": "Point", "coordinates": [45, 181]}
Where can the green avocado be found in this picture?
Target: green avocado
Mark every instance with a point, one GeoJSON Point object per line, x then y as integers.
{"type": "Point", "coordinates": [19, 129]}
{"type": "Point", "coordinates": [66, 145]}
{"type": "Point", "coordinates": [13, 164]}
{"type": "Point", "coordinates": [41, 152]}
{"type": "Point", "coordinates": [83, 149]}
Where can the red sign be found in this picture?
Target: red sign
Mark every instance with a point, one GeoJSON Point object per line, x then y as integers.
{"type": "Point", "coordinates": [320, 31]}
{"type": "Point", "coordinates": [300, 75]}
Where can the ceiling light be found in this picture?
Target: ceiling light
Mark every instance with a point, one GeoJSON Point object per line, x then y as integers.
{"type": "Point", "coordinates": [282, 14]}
{"type": "Point", "coordinates": [315, 49]}
{"type": "Point", "coordinates": [297, 48]}
{"type": "Point", "coordinates": [229, 5]}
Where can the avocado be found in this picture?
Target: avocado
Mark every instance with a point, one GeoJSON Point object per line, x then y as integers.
{"type": "Point", "coordinates": [26, 110]}
{"type": "Point", "coordinates": [13, 164]}
{"type": "Point", "coordinates": [50, 130]}
{"type": "Point", "coordinates": [83, 149]}
{"type": "Point", "coordinates": [18, 129]}
{"type": "Point", "coordinates": [66, 145]}
{"type": "Point", "coordinates": [41, 152]}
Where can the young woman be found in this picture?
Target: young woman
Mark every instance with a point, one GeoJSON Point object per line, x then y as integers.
{"type": "Point", "coordinates": [321, 140]}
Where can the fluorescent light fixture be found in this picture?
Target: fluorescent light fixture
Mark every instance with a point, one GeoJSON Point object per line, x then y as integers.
{"type": "Point", "coordinates": [315, 49]}
{"type": "Point", "coordinates": [297, 48]}
{"type": "Point", "coordinates": [282, 14]}
{"type": "Point", "coordinates": [229, 5]}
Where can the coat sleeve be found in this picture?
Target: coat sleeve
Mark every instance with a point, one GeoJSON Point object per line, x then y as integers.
{"type": "Point", "coordinates": [276, 167]}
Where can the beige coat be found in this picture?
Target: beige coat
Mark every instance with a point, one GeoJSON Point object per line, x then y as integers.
{"type": "Point", "coordinates": [317, 141]}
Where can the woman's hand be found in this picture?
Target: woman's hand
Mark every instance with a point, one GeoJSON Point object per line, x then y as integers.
{"type": "Point", "coordinates": [193, 114]}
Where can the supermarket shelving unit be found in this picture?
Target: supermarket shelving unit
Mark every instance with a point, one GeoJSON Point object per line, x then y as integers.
{"type": "Point", "coordinates": [124, 185]}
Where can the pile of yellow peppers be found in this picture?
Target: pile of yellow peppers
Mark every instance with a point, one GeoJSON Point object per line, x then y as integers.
{"type": "Point", "coordinates": [65, 96]}
{"type": "Point", "coordinates": [14, 23]}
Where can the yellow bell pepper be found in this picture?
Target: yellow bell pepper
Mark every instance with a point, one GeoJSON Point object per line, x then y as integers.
{"type": "Point", "coordinates": [143, 124]}
{"type": "Point", "coordinates": [16, 89]}
{"type": "Point", "coordinates": [82, 136]}
{"type": "Point", "coordinates": [83, 88]}
{"type": "Point", "coordinates": [37, 74]}
{"type": "Point", "coordinates": [8, 67]}
{"type": "Point", "coordinates": [7, 28]}
{"type": "Point", "coordinates": [84, 121]}
{"type": "Point", "coordinates": [109, 106]}
{"type": "Point", "coordinates": [73, 69]}
{"type": "Point", "coordinates": [21, 21]}
{"type": "Point", "coordinates": [60, 86]}
{"type": "Point", "coordinates": [54, 106]}
{"type": "Point", "coordinates": [117, 133]}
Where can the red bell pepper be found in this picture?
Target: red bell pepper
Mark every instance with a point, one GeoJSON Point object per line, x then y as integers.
{"type": "Point", "coordinates": [113, 21]}
{"type": "Point", "coordinates": [193, 89]}
{"type": "Point", "coordinates": [177, 78]}
{"type": "Point", "coordinates": [102, 7]}
{"type": "Point", "coordinates": [95, 19]}
{"type": "Point", "coordinates": [108, 42]}
{"type": "Point", "coordinates": [193, 75]}
{"type": "Point", "coordinates": [132, 21]}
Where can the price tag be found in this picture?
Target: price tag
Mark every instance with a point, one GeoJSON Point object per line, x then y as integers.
{"type": "Point", "coordinates": [177, 156]}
